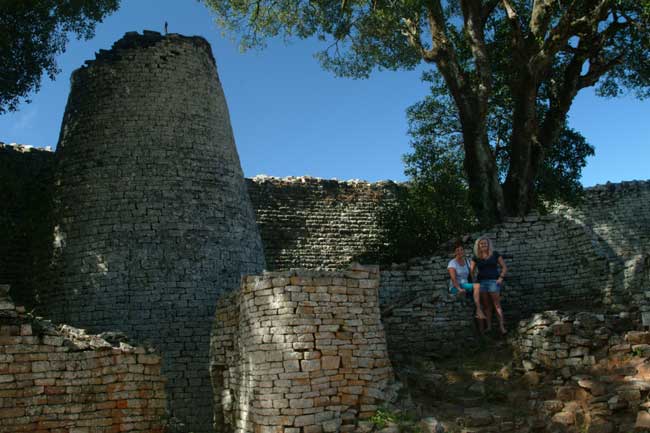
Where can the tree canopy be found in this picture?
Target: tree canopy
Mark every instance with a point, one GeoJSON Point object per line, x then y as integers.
{"type": "Point", "coordinates": [436, 133]}
{"type": "Point", "coordinates": [535, 54]}
{"type": "Point", "coordinates": [32, 33]}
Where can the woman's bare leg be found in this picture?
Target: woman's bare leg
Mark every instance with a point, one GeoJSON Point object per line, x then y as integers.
{"type": "Point", "coordinates": [476, 293]}
{"type": "Point", "coordinates": [487, 310]}
{"type": "Point", "coordinates": [496, 301]}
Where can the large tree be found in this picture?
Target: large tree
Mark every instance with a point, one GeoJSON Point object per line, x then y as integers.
{"type": "Point", "coordinates": [435, 205]}
{"type": "Point", "coordinates": [436, 135]}
{"type": "Point", "coordinates": [32, 33]}
{"type": "Point", "coordinates": [548, 50]}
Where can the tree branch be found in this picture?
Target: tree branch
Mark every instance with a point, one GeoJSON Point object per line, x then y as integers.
{"type": "Point", "coordinates": [597, 68]}
{"type": "Point", "coordinates": [540, 18]}
{"type": "Point", "coordinates": [488, 9]}
{"type": "Point", "coordinates": [412, 33]}
{"type": "Point", "coordinates": [473, 20]}
{"type": "Point", "coordinates": [568, 27]}
{"type": "Point", "coordinates": [443, 54]}
{"type": "Point", "coordinates": [513, 19]}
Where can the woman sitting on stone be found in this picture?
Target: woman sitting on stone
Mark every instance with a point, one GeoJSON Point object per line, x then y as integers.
{"type": "Point", "coordinates": [459, 272]}
{"type": "Point", "coordinates": [491, 271]}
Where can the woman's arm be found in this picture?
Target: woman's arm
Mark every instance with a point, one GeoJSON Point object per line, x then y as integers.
{"type": "Point", "coordinates": [452, 275]}
{"type": "Point", "coordinates": [504, 270]}
{"type": "Point", "coordinates": [472, 268]}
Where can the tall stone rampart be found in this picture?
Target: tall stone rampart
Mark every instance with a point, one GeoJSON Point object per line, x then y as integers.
{"type": "Point", "coordinates": [25, 217]}
{"type": "Point", "coordinates": [151, 213]}
{"type": "Point", "coordinates": [59, 379]}
{"type": "Point", "coordinates": [310, 222]}
{"type": "Point", "coordinates": [299, 352]}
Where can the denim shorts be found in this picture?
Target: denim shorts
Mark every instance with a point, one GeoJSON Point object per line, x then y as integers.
{"type": "Point", "coordinates": [490, 286]}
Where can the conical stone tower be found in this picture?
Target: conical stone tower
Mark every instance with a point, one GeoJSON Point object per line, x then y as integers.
{"type": "Point", "coordinates": [152, 216]}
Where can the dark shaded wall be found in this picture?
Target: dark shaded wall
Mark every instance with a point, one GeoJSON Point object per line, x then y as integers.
{"type": "Point", "coordinates": [25, 216]}
{"type": "Point", "coordinates": [310, 222]}
{"type": "Point", "coordinates": [152, 220]}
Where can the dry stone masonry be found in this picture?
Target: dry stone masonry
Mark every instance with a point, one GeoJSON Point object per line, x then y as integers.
{"type": "Point", "coordinates": [152, 216]}
{"type": "Point", "coordinates": [309, 222]}
{"type": "Point", "coordinates": [599, 370]}
{"type": "Point", "coordinates": [152, 222]}
{"type": "Point", "coordinates": [592, 255]}
{"type": "Point", "coordinates": [63, 380]}
{"type": "Point", "coordinates": [25, 217]}
{"type": "Point", "coordinates": [556, 340]}
{"type": "Point", "coordinates": [299, 352]}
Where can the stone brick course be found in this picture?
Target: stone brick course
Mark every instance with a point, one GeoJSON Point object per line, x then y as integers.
{"type": "Point", "coordinates": [63, 380]}
{"type": "Point", "coordinates": [309, 222]}
{"type": "Point", "coordinates": [298, 352]}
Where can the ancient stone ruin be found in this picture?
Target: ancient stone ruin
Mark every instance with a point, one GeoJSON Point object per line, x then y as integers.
{"type": "Point", "coordinates": [59, 379]}
{"type": "Point", "coordinates": [597, 367]}
{"type": "Point", "coordinates": [299, 352]}
{"type": "Point", "coordinates": [143, 223]}
{"type": "Point", "coordinates": [152, 221]}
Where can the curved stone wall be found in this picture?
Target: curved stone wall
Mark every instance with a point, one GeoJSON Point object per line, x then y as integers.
{"type": "Point", "coordinates": [298, 352]}
{"type": "Point", "coordinates": [309, 222]}
{"type": "Point", "coordinates": [152, 216]}
{"type": "Point", "coordinates": [593, 255]}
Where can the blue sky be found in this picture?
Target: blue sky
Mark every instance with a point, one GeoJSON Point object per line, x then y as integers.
{"type": "Point", "coordinates": [291, 118]}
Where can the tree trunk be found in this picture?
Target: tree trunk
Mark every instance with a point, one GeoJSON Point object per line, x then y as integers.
{"type": "Point", "coordinates": [486, 194]}
{"type": "Point", "coordinates": [525, 151]}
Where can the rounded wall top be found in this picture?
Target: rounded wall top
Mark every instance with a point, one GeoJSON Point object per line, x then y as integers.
{"type": "Point", "coordinates": [135, 41]}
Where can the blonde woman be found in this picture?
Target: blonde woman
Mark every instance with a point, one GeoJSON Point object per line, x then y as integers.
{"type": "Point", "coordinates": [491, 272]}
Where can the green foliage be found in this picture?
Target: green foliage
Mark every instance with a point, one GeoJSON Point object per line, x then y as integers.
{"type": "Point", "coordinates": [499, 69]}
{"type": "Point", "coordinates": [431, 208]}
{"type": "Point", "coordinates": [360, 35]}
{"type": "Point", "coordinates": [436, 131]}
{"type": "Point", "coordinates": [405, 422]}
{"type": "Point", "coordinates": [382, 418]}
{"type": "Point", "coordinates": [434, 205]}
{"type": "Point", "coordinates": [33, 33]}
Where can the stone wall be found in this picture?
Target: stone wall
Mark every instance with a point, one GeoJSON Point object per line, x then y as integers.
{"type": "Point", "coordinates": [309, 222]}
{"type": "Point", "coordinates": [550, 263]}
{"type": "Point", "coordinates": [592, 255]}
{"type": "Point", "coordinates": [63, 380]}
{"type": "Point", "coordinates": [25, 213]}
{"type": "Point", "coordinates": [569, 341]}
{"type": "Point", "coordinates": [151, 213]}
{"type": "Point", "coordinates": [299, 352]}
{"type": "Point", "coordinates": [586, 370]}
{"type": "Point", "coordinates": [616, 218]}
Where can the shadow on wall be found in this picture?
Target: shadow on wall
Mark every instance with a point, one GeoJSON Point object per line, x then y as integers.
{"type": "Point", "coordinates": [317, 223]}
{"type": "Point", "coordinates": [299, 349]}
{"type": "Point", "coordinates": [25, 216]}
{"type": "Point", "coordinates": [592, 257]}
